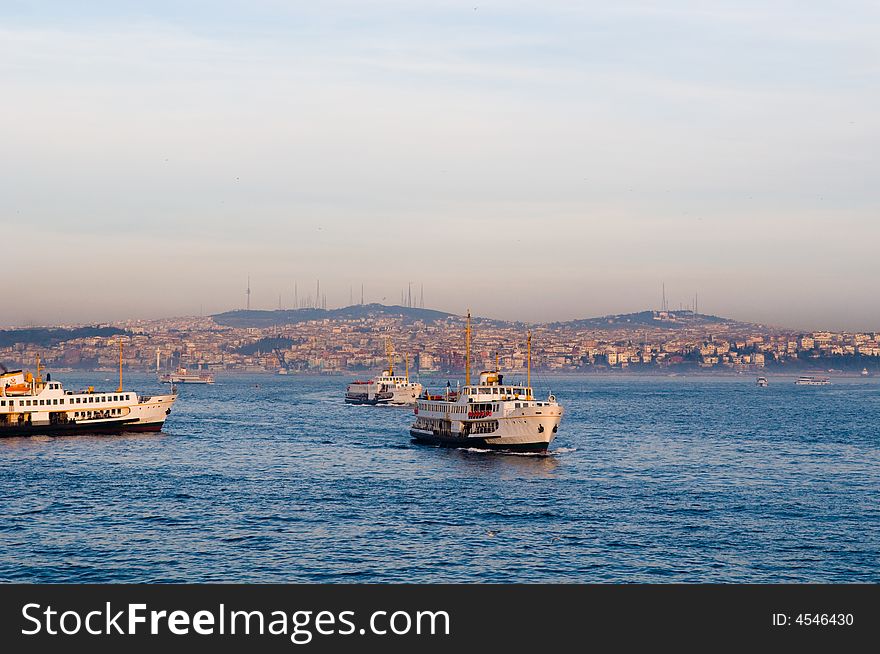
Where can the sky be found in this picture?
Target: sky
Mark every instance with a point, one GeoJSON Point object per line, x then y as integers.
{"type": "Point", "coordinates": [534, 161]}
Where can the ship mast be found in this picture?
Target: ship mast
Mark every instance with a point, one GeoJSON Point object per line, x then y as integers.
{"type": "Point", "coordinates": [529, 366]}
{"type": "Point", "coordinates": [119, 390]}
{"type": "Point", "coordinates": [388, 351]}
{"type": "Point", "coordinates": [406, 363]}
{"type": "Point", "coordinates": [467, 348]}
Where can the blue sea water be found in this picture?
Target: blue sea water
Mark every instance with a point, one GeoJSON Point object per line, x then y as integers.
{"type": "Point", "coordinates": [274, 479]}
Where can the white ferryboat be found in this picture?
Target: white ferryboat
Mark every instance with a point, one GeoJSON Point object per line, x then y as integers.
{"type": "Point", "coordinates": [491, 415]}
{"type": "Point", "coordinates": [32, 406]}
{"type": "Point", "coordinates": [184, 376]}
{"type": "Point", "coordinates": [806, 380]}
{"type": "Point", "coordinates": [387, 388]}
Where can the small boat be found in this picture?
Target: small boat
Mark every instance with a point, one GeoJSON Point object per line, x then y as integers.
{"type": "Point", "coordinates": [762, 382]}
{"type": "Point", "coordinates": [806, 380]}
{"type": "Point", "coordinates": [864, 372]}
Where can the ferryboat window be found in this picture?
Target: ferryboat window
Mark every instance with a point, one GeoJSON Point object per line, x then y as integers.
{"type": "Point", "coordinates": [495, 391]}
{"type": "Point", "coordinates": [2, 402]}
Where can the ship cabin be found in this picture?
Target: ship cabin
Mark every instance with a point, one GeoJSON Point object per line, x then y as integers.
{"type": "Point", "coordinates": [388, 378]}
{"type": "Point", "coordinates": [493, 389]}
{"type": "Point", "coordinates": [483, 400]}
{"type": "Point", "coordinates": [25, 399]}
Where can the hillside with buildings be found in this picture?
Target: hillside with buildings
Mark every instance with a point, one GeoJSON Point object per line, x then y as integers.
{"type": "Point", "coordinates": [354, 339]}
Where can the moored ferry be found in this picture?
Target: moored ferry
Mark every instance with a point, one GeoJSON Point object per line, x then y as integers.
{"type": "Point", "coordinates": [184, 376]}
{"type": "Point", "coordinates": [806, 380]}
{"type": "Point", "coordinates": [387, 388]}
{"type": "Point", "coordinates": [33, 406]}
{"type": "Point", "coordinates": [489, 415]}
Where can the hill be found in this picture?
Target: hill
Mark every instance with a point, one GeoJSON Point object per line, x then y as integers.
{"type": "Point", "coordinates": [648, 319]}
{"type": "Point", "coordinates": [44, 336]}
{"type": "Point", "coordinates": [244, 318]}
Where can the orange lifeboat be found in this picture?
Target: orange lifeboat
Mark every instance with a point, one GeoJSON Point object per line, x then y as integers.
{"type": "Point", "coordinates": [18, 389]}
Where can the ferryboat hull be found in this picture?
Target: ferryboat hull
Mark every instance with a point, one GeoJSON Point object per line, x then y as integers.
{"type": "Point", "coordinates": [365, 400]}
{"type": "Point", "coordinates": [72, 428]}
{"type": "Point", "coordinates": [428, 438]}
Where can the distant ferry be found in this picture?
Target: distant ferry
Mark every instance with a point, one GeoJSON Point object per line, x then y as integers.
{"type": "Point", "coordinates": [812, 381]}
{"type": "Point", "coordinates": [762, 382]}
{"type": "Point", "coordinates": [489, 415]}
{"type": "Point", "coordinates": [387, 388]}
{"type": "Point", "coordinates": [183, 376]}
{"type": "Point", "coordinates": [31, 406]}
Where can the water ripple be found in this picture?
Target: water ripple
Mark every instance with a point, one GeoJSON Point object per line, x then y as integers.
{"type": "Point", "coordinates": [651, 479]}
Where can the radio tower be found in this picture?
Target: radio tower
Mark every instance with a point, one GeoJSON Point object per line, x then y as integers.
{"type": "Point", "coordinates": [248, 293]}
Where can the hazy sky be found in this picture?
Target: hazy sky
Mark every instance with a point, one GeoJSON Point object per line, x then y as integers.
{"type": "Point", "coordinates": [531, 160]}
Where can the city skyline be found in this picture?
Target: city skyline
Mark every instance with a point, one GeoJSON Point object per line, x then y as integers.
{"type": "Point", "coordinates": [534, 163]}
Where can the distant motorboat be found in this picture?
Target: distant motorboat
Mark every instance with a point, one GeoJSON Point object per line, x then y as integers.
{"type": "Point", "coordinates": [864, 372]}
{"type": "Point", "coordinates": [762, 382]}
